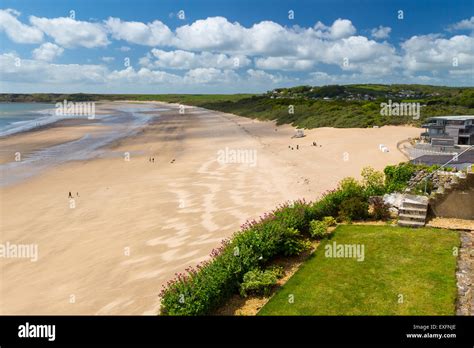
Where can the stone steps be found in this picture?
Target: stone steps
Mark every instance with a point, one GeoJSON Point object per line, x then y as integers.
{"type": "Point", "coordinates": [409, 217]}
{"type": "Point", "coordinates": [403, 223]}
{"type": "Point", "coordinates": [412, 212]}
{"type": "Point", "coordinates": [418, 210]}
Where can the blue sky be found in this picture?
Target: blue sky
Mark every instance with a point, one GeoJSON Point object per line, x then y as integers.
{"type": "Point", "coordinates": [108, 46]}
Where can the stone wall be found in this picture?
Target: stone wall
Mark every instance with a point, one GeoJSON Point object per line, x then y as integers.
{"type": "Point", "coordinates": [464, 275]}
{"type": "Point", "coordinates": [456, 202]}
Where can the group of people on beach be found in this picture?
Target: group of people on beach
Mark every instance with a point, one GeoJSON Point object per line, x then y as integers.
{"type": "Point", "coordinates": [298, 147]}
{"type": "Point", "coordinates": [71, 196]}
{"type": "Point", "coordinates": [152, 160]}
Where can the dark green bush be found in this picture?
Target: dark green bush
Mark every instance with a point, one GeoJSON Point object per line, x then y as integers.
{"type": "Point", "coordinates": [350, 188]}
{"type": "Point", "coordinates": [292, 242]}
{"type": "Point", "coordinates": [354, 208]}
{"type": "Point", "coordinates": [330, 203]}
{"type": "Point", "coordinates": [397, 177]}
{"type": "Point", "coordinates": [295, 215]}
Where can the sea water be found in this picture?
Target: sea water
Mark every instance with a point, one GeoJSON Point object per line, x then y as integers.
{"type": "Point", "coordinates": [19, 117]}
{"type": "Point", "coordinates": [124, 122]}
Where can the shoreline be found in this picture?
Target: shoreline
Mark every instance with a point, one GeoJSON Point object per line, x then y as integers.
{"type": "Point", "coordinates": [135, 223]}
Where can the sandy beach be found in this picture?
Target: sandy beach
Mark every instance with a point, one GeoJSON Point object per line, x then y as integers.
{"type": "Point", "coordinates": [135, 222]}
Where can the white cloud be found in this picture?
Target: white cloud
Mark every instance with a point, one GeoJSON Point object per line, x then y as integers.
{"type": "Point", "coordinates": [151, 34]}
{"type": "Point", "coordinates": [39, 72]}
{"type": "Point", "coordinates": [213, 33]}
{"type": "Point", "coordinates": [434, 53]}
{"type": "Point", "coordinates": [142, 76]}
{"type": "Point", "coordinates": [47, 52]}
{"type": "Point", "coordinates": [205, 52]}
{"type": "Point", "coordinates": [45, 73]}
{"type": "Point", "coordinates": [269, 38]}
{"type": "Point", "coordinates": [321, 78]}
{"type": "Point", "coordinates": [210, 76]}
{"type": "Point", "coordinates": [17, 31]}
{"type": "Point", "coordinates": [381, 32]}
{"type": "Point", "coordinates": [282, 63]}
{"type": "Point", "coordinates": [266, 37]}
{"type": "Point", "coordinates": [185, 60]}
{"type": "Point", "coordinates": [357, 53]}
{"type": "Point", "coordinates": [341, 28]}
{"type": "Point", "coordinates": [465, 24]}
{"type": "Point", "coordinates": [69, 32]}
{"type": "Point", "coordinates": [260, 76]}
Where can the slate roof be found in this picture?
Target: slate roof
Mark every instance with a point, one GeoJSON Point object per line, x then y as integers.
{"type": "Point", "coordinates": [466, 157]}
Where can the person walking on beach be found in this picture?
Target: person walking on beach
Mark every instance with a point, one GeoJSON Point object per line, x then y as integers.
{"type": "Point", "coordinates": [70, 195]}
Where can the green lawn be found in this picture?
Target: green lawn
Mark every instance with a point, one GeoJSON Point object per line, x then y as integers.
{"type": "Point", "coordinates": [416, 263]}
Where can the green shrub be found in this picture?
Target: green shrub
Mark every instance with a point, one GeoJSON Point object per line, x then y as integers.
{"type": "Point", "coordinates": [318, 229]}
{"type": "Point", "coordinates": [350, 187]}
{"type": "Point", "coordinates": [294, 215]}
{"type": "Point", "coordinates": [202, 290]}
{"type": "Point", "coordinates": [354, 208]}
{"type": "Point", "coordinates": [397, 177]}
{"type": "Point", "coordinates": [329, 221]}
{"type": "Point", "coordinates": [330, 203]}
{"type": "Point", "coordinates": [259, 282]}
{"type": "Point", "coordinates": [373, 182]}
{"type": "Point", "coordinates": [292, 243]}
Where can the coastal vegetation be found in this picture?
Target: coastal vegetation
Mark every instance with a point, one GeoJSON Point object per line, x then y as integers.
{"type": "Point", "coordinates": [341, 106]}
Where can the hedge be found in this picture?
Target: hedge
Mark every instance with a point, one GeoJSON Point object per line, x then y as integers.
{"type": "Point", "coordinates": [203, 289]}
{"type": "Point", "coordinates": [284, 231]}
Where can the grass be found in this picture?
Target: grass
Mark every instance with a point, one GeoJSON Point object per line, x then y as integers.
{"type": "Point", "coordinates": [416, 263]}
